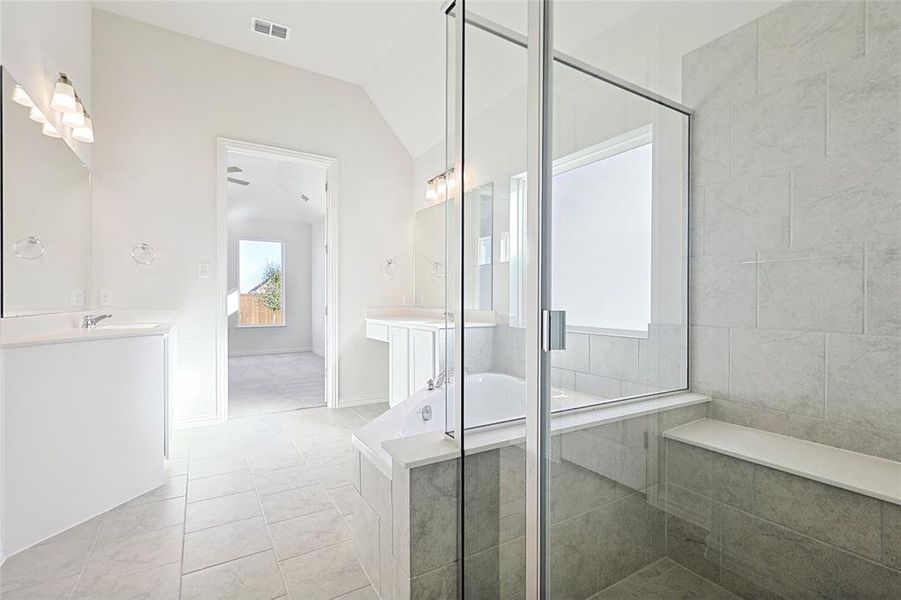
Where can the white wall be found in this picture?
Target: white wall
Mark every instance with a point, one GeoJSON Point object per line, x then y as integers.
{"type": "Point", "coordinates": [297, 334]}
{"type": "Point", "coordinates": [161, 101]}
{"type": "Point", "coordinates": [317, 286]}
{"type": "Point", "coordinates": [42, 39]}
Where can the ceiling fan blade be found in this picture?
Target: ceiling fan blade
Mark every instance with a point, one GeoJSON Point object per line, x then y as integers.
{"type": "Point", "coordinates": [238, 181]}
{"type": "Point", "coordinates": [235, 170]}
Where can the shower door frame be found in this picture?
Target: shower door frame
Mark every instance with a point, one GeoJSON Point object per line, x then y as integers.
{"type": "Point", "coordinates": [541, 57]}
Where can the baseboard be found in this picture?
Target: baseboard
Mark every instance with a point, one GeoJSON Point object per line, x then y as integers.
{"type": "Point", "coordinates": [202, 421]}
{"type": "Point", "coordinates": [361, 400]}
{"type": "Point", "coordinates": [264, 352]}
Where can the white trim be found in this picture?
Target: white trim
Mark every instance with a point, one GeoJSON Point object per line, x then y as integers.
{"type": "Point", "coordinates": [362, 400]}
{"type": "Point", "coordinates": [274, 351]}
{"type": "Point", "coordinates": [330, 164]}
{"type": "Point", "coordinates": [202, 421]}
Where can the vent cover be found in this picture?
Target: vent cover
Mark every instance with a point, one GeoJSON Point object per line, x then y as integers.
{"type": "Point", "coordinates": [269, 29]}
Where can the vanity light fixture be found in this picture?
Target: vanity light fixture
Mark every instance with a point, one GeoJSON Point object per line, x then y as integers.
{"type": "Point", "coordinates": [85, 133]}
{"type": "Point", "coordinates": [36, 115]}
{"type": "Point", "coordinates": [63, 95]}
{"type": "Point", "coordinates": [75, 119]}
{"type": "Point", "coordinates": [20, 96]}
{"type": "Point", "coordinates": [50, 131]}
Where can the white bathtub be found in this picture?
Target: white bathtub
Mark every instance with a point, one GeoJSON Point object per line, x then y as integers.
{"type": "Point", "coordinates": [494, 398]}
{"type": "Point", "coordinates": [490, 398]}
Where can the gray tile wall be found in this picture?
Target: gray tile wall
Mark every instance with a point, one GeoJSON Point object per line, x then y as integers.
{"type": "Point", "coordinates": [763, 533]}
{"type": "Point", "coordinates": [795, 283]}
{"type": "Point", "coordinates": [605, 366]}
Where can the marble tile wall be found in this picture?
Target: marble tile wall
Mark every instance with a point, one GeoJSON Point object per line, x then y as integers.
{"type": "Point", "coordinates": [763, 533]}
{"type": "Point", "coordinates": [605, 366]}
{"type": "Point", "coordinates": [795, 281]}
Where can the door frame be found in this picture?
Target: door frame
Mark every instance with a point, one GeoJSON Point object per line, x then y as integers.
{"type": "Point", "coordinates": [330, 164]}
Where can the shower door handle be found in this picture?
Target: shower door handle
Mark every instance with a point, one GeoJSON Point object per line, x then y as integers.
{"type": "Point", "coordinates": [553, 330]}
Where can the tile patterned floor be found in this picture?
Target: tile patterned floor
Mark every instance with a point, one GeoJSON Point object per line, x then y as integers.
{"type": "Point", "coordinates": [271, 383]}
{"type": "Point", "coordinates": [664, 580]}
{"type": "Point", "coordinates": [257, 509]}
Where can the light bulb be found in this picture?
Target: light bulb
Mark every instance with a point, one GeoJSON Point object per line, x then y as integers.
{"type": "Point", "coordinates": [36, 115]}
{"type": "Point", "coordinates": [75, 118]}
{"type": "Point", "coordinates": [50, 131]}
{"type": "Point", "coordinates": [20, 96]}
{"type": "Point", "coordinates": [63, 95]}
{"type": "Point", "coordinates": [430, 193]}
{"type": "Point", "coordinates": [85, 133]}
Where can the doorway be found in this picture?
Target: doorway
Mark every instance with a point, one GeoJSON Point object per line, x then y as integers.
{"type": "Point", "coordinates": [277, 269]}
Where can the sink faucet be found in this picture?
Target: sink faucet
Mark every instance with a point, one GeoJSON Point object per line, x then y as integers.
{"type": "Point", "coordinates": [443, 377]}
{"type": "Point", "coordinates": [90, 321]}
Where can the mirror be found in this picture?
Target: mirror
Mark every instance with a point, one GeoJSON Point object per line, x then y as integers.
{"type": "Point", "coordinates": [46, 204]}
{"type": "Point", "coordinates": [432, 224]}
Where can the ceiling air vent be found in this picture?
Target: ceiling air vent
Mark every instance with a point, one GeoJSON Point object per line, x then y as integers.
{"type": "Point", "coordinates": [269, 29]}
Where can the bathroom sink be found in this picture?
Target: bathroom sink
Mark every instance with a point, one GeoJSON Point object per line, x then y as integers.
{"type": "Point", "coordinates": [129, 326]}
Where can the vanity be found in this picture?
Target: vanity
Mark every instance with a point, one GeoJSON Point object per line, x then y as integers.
{"type": "Point", "coordinates": [87, 390]}
{"type": "Point", "coordinates": [417, 345]}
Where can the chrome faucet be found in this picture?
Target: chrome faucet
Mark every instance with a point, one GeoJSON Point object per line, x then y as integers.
{"type": "Point", "coordinates": [443, 378]}
{"type": "Point", "coordinates": [90, 321]}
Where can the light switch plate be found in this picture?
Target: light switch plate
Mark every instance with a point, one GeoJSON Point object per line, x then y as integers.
{"type": "Point", "coordinates": [77, 298]}
{"type": "Point", "coordinates": [105, 298]}
{"type": "Point", "coordinates": [203, 270]}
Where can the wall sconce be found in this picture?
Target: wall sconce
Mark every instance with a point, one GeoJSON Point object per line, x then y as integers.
{"type": "Point", "coordinates": [75, 119]}
{"type": "Point", "coordinates": [63, 95]}
{"type": "Point", "coordinates": [50, 131]}
{"type": "Point", "coordinates": [85, 133]}
{"type": "Point", "coordinates": [36, 115]}
{"type": "Point", "coordinates": [20, 96]}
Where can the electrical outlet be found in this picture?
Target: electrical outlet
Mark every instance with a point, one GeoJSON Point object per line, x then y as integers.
{"type": "Point", "coordinates": [77, 298]}
{"type": "Point", "coordinates": [105, 298]}
{"type": "Point", "coordinates": [203, 270]}
{"type": "Point", "coordinates": [405, 300]}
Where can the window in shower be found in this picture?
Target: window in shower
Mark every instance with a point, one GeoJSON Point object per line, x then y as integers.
{"type": "Point", "coordinates": [601, 235]}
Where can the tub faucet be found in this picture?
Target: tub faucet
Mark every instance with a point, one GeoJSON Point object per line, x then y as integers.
{"type": "Point", "coordinates": [90, 321]}
{"type": "Point", "coordinates": [443, 377]}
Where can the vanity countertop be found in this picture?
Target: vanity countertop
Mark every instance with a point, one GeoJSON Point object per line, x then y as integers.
{"type": "Point", "coordinates": [417, 323]}
{"type": "Point", "coordinates": [104, 331]}
{"type": "Point", "coordinates": [424, 318]}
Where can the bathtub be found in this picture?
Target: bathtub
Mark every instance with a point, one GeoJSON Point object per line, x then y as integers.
{"type": "Point", "coordinates": [490, 398]}
{"type": "Point", "coordinates": [494, 398]}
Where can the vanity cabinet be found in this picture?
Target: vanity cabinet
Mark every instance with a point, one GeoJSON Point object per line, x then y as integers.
{"type": "Point", "coordinates": [412, 357]}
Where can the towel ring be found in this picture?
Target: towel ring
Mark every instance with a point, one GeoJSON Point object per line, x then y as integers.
{"type": "Point", "coordinates": [29, 248]}
{"type": "Point", "coordinates": [143, 254]}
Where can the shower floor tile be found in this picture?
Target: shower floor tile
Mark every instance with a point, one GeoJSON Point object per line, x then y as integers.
{"type": "Point", "coordinates": [664, 580]}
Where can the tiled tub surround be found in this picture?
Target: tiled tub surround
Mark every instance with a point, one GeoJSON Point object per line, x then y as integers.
{"type": "Point", "coordinates": [795, 283]}
{"type": "Point", "coordinates": [607, 524]}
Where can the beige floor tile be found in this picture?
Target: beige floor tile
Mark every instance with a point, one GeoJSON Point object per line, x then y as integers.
{"type": "Point", "coordinates": [52, 590]}
{"type": "Point", "coordinates": [335, 476]}
{"type": "Point", "coordinates": [130, 519]}
{"type": "Point", "coordinates": [173, 488]}
{"type": "Point", "coordinates": [367, 593]}
{"type": "Point", "coordinates": [285, 479]}
{"type": "Point", "coordinates": [216, 466]}
{"type": "Point", "coordinates": [308, 533]}
{"type": "Point", "coordinates": [343, 497]}
{"type": "Point", "coordinates": [254, 577]}
{"type": "Point", "coordinates": [295, 503]}
{"type": "Point", "coordinates": [44, 563]}
{"type": "Point", "coordinates": [160, 583]}
{"type": "Point", "coordinates": [324, 574]}
{"type": "Point", "coordinates": [130, 554]}
{"type": "Point", "coordinates": [227, 542]}
{"type": "Point", "coordinates": [219, 511]}
{"type": "Point", "coordinates": [219, 485]}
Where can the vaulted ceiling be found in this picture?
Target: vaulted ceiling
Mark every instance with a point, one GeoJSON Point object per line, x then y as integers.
{"type": "Point", "coordinates": [395, 49]}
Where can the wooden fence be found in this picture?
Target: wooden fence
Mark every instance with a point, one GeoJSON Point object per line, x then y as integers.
{"type": "Point", "coordinates": [252, 311]}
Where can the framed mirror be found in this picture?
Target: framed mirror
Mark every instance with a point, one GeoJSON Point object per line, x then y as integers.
{"type": "Point", "coordinates": [46, 205]}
